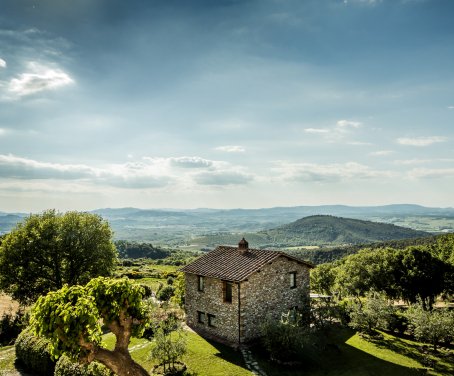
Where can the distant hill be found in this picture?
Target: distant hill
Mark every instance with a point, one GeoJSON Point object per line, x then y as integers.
{"type": "Point", "coordinates": [327, 229]}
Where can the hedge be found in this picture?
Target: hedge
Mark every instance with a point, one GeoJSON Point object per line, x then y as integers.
{"type": "Point", "coordinates": [66, 367]}
{"type": "Point", "coordinates": [33, 353]}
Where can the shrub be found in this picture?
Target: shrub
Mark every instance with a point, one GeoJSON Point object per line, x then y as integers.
{"type": "Point", "coordinates": [147, 290]}
{"type": "Point", "coordinates": [373, 313]}
{"type": "Point", "coordinates": [165, 293]}
{"type": "Point", "coordinates": [66, 367]}
{"type": "Point", "coordinates": [283, 342]}
{"type": "Point", "coordinates": [34, 353]}
{"type": "Point", "coordinates": [431, 326]}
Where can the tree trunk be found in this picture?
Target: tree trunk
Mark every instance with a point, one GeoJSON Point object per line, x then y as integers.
{"type": "Point", "coordinates": [120, 362]}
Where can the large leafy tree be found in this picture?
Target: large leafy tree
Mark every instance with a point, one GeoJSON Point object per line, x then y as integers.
{"type": "Point", "coordinates": [48, 250]}
{"type": "Point", "coordinates": [71, 319]}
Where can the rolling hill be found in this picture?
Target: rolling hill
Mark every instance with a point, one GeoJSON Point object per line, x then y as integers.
{"type": "Point", "coordinates": [326, 229]}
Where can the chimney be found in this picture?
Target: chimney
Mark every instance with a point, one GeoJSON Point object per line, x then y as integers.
{"type": "Point", "coordinates": [243, 246]}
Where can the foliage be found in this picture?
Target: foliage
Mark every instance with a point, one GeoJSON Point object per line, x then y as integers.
{"type": "Point", "coordinates": [66, 367]}
{"type": "Point", "coordinates": [282, 341]}
{"type": "Point", "coordinates": [11, 325]}
{"type": "Point", "coordinates": [431, 326]}
{"type": "Point", "coordinates": [136, 250]}
{"type": "Point", "coordinates": [409, 274]}
{"type": "Point", "coordinates": [180, 287]}
{"type": "Point", "coordinates": [48, 250]}
{"type": "Point", "coordinates": [323, 278]}
{"type": "Point", "coordinates": [34, 353]}
{"type": "Point", "coordinates": [374, 312]}
{"type": "Point", "coordinates": [170, 344]}
{"type": "Point", "coordinates": [165, 293]}
{"type": "Point", "coordinates": [70, 318]}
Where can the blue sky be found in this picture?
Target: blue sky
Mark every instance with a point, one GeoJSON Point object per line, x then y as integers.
{"type": "Point", "coordinates": [184, 104]}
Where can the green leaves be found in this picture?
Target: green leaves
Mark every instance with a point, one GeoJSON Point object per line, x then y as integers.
{"type": "Point", "coordinates": [50, 249]}
{"type": "Point", "coordinates": [71, 317]}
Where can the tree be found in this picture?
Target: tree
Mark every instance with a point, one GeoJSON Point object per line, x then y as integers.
{"type": "Point", "coordinates": [48, 250]}
{"type": "Point", "coordinates": [431, 326]}
{"type": "Point", "coordinates": [170, 343]}
{"type": "Point", "coordinates": [71, 319]}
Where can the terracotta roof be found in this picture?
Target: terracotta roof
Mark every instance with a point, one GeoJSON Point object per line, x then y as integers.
{"type": "Point", "coordinates": [227, 263]}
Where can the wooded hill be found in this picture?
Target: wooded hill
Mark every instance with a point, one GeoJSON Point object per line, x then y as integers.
{"type": "Point", "coordinates": [326, 229]}
{"type": "Point", "coordinates": [318, 230]}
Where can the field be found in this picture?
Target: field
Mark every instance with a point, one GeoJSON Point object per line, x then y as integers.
{"type": "Point", "coordinates": [7, 304]}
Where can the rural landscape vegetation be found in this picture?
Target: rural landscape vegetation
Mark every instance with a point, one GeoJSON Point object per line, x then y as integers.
{"type": "Point", "coordinates": [136, 137]}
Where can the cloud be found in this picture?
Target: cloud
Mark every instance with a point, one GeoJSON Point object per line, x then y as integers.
{"type": "Point", "coordinates": [223, 178]}
{"type": "Point", "coordinates": [2, 63]}
{"type": "Point", "coordinates": [420, 141]}
{"type": "Point", "coordinates": [406, 162]}
{"type": "Point", "coordinates": [316, 130]}
{"type": "Point", "coordinates": [348, 124]}
{"type": "Point", "coordinates": [428, 173]}
{"type": "Point", "coordinates": [381, 153]}
{"type": "Point", "coordinates": [231, 149]}
{"type": "Point", "coordinates": [143, 174]}
{"type": "Point", "coordinates": [451, 107]}
{"type": "Point", "coordinates": [191, 162]}
{"type": "Point", "coordinates": [311, 172]}
{"type": "Point", "coordinates": [38, 78]}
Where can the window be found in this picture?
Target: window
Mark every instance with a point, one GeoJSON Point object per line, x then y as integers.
{"type": "Point", "coordinates": [201, 317]}
{"type": "Point", "coordinates": [211, 320]}
{"type": "Point", "coordinates": [201, 282]}
{"type": "Point", "coordinates": [292, 280]}
{"type": "Point", "coordinates": [227, 287]}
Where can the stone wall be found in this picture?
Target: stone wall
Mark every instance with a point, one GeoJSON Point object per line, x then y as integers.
{"type": "Point", "coordinates": [267, 293]}
{"type": "Point", "coordinates": [211, 301]}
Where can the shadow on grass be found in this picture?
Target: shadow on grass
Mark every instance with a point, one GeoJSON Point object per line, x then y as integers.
{"type": "Point", "coordinates": [331, 355]}
{"type": "Point", "coordinates": [441, 361]}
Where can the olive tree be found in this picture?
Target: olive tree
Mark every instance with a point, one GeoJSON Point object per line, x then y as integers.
{"type": "Point", "coordinates": [71, 319]}
{"type": "Point", "coordinates": [51, 249]}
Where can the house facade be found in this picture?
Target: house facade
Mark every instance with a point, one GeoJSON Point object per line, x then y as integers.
{"type": "Point", "coordinates": [231, 290]}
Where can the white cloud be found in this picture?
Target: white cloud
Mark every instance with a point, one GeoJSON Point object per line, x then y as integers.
{"type": "Point", "coordinates": [316, 130]}
{"type": "Point", "coordinates": [348, 124]}
{"type": "Point", "coordinates": [420, 141]}
{"type": "Point", "coordinates": [38, 78]}
{"type": "Point", "coordinates": [381, 153]}
{"type": "Point", "coordinates": [427, 173]}
{"type": "Point", "coordinates": [2, 63]}
{"type": "Point", "coordinates": [191, 162]}
{"type": "Point", "coordinates": [311, 172]}
{"type": "Point", "coordinates": [406, 162]}
{"type": "Point", "coordinates": [451, 107]}
{"type": "Point", "coordinates": [231, 148]}
{"type": "Point", "coordinates": [146, 173]}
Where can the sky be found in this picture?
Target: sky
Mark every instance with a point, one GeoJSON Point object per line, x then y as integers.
{"type": "Point", "coordinates": [225, 104]}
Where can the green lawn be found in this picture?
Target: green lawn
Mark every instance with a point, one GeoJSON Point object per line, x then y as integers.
{"type": "Point", "coordinates": [347, 354]}
{"type": "Point", "coordinates": [204, 358]}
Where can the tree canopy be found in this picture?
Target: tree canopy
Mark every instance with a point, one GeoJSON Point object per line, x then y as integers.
{"type": "Point", "coordinates": [71, 319]}
{"type": "Point", "coordinates": [51, 249]}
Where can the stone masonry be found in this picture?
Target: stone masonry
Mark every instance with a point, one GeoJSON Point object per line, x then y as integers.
{"type": "Point", "coordinates": [265, 284]}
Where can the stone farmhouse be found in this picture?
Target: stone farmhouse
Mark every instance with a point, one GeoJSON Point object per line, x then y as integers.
{"type": "Point", "coordinates": [230, 290]}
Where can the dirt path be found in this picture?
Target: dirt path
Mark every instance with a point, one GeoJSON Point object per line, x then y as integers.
{"type": "Point", "coordinates": [7, 304]}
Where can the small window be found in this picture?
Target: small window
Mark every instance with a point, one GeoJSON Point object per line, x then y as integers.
{"type": "Point", "coordinates": [227, 286]}
{"type": "Point", "coordinates": [211, 320]}
{"type": "Point", "coordinates": [292, 280]}
{"type": "Point", "coordinates": [201, 283]}
{"type": "Point", "coordinates": [201, 317]}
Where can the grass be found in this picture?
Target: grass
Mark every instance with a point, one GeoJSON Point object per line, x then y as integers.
{"type": "Point", "coordinates": [7, 304]}
{"type": "Point", "coordinates": [347, 354]}
{"type": "Point", "coordinates": [203, 358]}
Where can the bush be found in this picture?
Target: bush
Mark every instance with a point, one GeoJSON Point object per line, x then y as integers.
{"type": "Point", "coordinates": [165, 293]}
{"type": "Point", "coordinates": [11, 325]}
{"type": "Point", "coordinates": [283, 342]}
{"type": "Point", "coordinates": [34, 353]}
{"type": "Point", "coordinates": [148, 292]}
{"type": "Point", "coordinates": [66, 367]}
